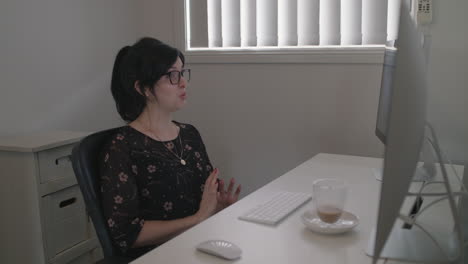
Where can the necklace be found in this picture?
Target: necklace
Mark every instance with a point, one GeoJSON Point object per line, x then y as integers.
{"type": "Point", "coordinates": [182, 161]}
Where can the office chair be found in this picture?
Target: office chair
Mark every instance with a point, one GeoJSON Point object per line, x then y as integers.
{"type": "Point", "coordinates": [85, 163]}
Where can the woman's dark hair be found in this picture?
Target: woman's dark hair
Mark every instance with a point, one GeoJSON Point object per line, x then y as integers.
{"type": "Point", "coordinates": [146, 62]}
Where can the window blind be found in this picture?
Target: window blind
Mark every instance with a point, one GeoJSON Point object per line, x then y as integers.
{"type": "Point", "coordinates": [248, 23]}
{"type": "Point", "coordinates": [283, 23]}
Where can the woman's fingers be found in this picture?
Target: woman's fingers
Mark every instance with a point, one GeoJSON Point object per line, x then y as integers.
{"type": "Point", "coordinates": [232, 182]}
{"type": "Point", "coordinates": [224, 196]}
{"type": "Point", "coordinates": [210, 177]}
{"type": "Point", "coordinates": [221, 186]}
{"type": "Point", "coordinates": [209, 199]}
{"type": "Point", "coordinates": [214, 176]}
{"type": "Point", "coordinates": [236, 194]}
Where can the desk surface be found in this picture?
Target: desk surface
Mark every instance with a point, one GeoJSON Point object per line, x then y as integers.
{"type": "Point", "coordinates": [289, 241]}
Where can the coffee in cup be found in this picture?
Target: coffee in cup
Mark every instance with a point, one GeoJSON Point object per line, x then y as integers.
{"type": "Point", "coordinates": [329, 198]}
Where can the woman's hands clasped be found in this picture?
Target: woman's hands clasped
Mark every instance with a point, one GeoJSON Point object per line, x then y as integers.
{"type": "Point", "coordinates": [215, 197]}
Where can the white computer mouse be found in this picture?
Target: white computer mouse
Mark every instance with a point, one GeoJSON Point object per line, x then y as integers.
{"type": "Point", "coordinates": [220, 248]}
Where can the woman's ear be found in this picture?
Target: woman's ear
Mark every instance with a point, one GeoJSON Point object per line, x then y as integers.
{"type": "Point", "coordinates": [139, 89]}
{"type": "Point", "coordinates": [136, 85]}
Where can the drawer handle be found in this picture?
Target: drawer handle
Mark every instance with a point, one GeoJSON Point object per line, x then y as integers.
{"type": "Point", "coordinates": [67, 202]}
{"type": "Point", "coordinates": [66, 157]}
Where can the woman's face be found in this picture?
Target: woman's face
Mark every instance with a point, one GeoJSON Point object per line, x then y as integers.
{"type": "Point", "coordinates": [171, 97]}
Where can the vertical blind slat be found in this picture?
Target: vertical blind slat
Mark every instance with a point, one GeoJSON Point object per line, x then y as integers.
{"type": "Point", "coordinates": [287, 22]}
{"type": "Point", "coordinates": [392, 20]}
{"type": "Point", "coordinates": [267, 22]}
{"type": "Point", "coordinates": [374, 21]}
{"type": "Point", "coordinates": [308, 17]}
{"type": "Point", "coordinates": [198, 36]}
{"type": "Point", "coordinates": [351, 13]}
{"type": "Point", "coordinates": [248, 23]}
{"type": "Point", "coordinates": [214, 23]}
{"type": "Point", "coordinates": [230, 21]}
{"type": "Point", "coordinates": [330, 14]}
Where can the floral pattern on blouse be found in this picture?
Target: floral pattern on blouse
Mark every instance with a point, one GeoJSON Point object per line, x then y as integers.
{"type": "Point", "coordinates": [141, 179]}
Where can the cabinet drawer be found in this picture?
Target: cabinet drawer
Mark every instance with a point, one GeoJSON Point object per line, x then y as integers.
{"type": "Point", "coordinates": [87, 252]}
{"type": "Point", "coordinates": [65, 220]}
{"type": "Point", "coordinates": [55, 163]}
{"type": "Point", "coordinates": [83, 259]}
{"type": "Point", "coordinates": [89, 257]}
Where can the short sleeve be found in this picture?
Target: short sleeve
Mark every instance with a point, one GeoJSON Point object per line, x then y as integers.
{"type": "Point", "coordinates": [209, 166]}
{"type": "Point", "coordinates": [119, 193]}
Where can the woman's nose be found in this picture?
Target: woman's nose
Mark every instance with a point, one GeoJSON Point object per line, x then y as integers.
{"type": "Point", "coordinates": [182, 82]}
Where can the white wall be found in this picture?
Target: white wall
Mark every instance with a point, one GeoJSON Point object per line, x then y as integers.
{"type": "Point", "coordinates": [156, 19]}
{"type": "Point", "coordinates": [261, 120]}
{"type": "Point", "coordinates": [258, 120]}
{"type": "Point", "coordinates": [448, 77]}
{"type": "Point", "coordinates": [56, 61]}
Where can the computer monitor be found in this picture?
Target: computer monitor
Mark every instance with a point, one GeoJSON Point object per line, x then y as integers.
{"type": "Point", "coordinates": [426, 171]}
{"type": "Point", "coordinates": [403, 130]}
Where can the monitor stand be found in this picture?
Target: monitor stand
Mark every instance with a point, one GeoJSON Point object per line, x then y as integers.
{"type": "Point", "coordinates": [423, 173]}
{"type": "Point", "coordinates": [429, 245]}
{"type": "Point", "coordinates": [415, 245]}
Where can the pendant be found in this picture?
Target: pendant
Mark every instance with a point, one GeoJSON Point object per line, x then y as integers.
{"type": "Point", "coordinates": [183, 162]}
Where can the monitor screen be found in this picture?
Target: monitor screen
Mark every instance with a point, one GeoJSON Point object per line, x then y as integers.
{"type": "Point", "coordinates": [385, 94]}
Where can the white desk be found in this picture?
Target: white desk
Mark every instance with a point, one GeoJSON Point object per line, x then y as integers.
{"type": "Point", "coordinates": [290, 241]}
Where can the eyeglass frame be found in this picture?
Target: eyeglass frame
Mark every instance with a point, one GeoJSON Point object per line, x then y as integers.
{"type": "Point", "coordinates": [180, 74]}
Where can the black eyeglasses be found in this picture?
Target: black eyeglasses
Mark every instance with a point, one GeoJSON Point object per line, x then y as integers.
{"type": "Point", "coordinates": [174, 76]}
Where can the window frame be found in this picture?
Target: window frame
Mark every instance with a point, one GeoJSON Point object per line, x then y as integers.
{"type": "Point", "coordinates": [366, 54]}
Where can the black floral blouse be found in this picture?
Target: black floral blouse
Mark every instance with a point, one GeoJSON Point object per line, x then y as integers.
{"type": "Point", "coordinates": [141, 179]}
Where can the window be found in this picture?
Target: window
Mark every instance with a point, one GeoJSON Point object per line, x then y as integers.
{"type": "Point", "coordinates": [293, 27]}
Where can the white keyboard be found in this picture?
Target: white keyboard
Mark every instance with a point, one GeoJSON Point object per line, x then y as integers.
{"type": "Point", "coordinates": [277, 208]}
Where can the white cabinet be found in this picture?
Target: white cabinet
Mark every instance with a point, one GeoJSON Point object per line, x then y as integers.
{"type": "Point", "coordinates": [43, 218]}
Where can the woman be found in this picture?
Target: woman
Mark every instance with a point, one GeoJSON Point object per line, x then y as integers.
{"type": "Point", "coordinates": [156, 177]}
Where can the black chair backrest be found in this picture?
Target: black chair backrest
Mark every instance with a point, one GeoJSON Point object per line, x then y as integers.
{"type": "Point", "coordinates": [85, 160]}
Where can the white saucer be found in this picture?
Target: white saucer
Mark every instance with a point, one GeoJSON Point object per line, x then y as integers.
{"type": "Point", "coordinates": [347, 222]}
